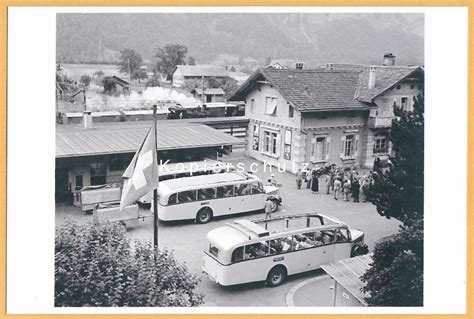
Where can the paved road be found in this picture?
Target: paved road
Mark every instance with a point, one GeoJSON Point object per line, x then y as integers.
{"type": "Point", "coordinates": [186, 239]}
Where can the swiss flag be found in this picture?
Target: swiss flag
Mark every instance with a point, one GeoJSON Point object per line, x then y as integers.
{"type": "Point", "coordinates": [141, 176]}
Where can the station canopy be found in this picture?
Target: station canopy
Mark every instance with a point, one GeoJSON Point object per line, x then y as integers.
{"type": "Point", "coordinates": [117, 138]}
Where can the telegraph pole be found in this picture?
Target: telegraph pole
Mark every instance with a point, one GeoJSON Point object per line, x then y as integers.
{"type": "Point", "coordinates": [155, 191]}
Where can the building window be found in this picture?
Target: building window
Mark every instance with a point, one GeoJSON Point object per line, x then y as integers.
{"type": "Point", "coordinates": [380, 143]}
{"type": "Point", "coordinates": [79, 182]}
{"type": "Point", "coordinates": [404, 104]}
{"type": "Point", "coordinates": [349, 145]}
{"type": "Point", "coordinates": [271, 143]}
{"type": "Point", "coordinates": [256, 136]}
{"type": "Point", "coordinates": [319, 148]}
{"type": "Point", "coordinates": [252, 105]}
{"type": "Point", "coordinates": [117, 163]}
{"type": "Point", "coordinates": [291, 111]}
{"type": "Point", "coordinates": [98, 173]}
{"type": "Point", "coordinates": [287, 147]}
{"type": "Point", "coordinates": [270, 105]}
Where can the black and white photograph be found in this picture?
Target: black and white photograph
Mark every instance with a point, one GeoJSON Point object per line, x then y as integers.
{"type": "Point", "coordinates": [234, 160]}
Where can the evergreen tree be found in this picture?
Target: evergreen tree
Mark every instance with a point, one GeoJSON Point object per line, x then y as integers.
{"type": "Point", "coordinates": [396, 275]}
{"type": "Point", "coordinates": [398, 193]}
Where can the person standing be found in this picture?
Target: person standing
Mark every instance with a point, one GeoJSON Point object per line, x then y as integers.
{"type": "Point", "coordinates": [299, 178]}
{"type": "Point", "coordinates": [363, 185]}
{"type": "Point", "coordinates": [327, 181]}
{"type": "Point", "coordinates": [314, 182]}
{"type": "Point", "coordinates": [273, 180]}
{"type": "Point", "coordinates": [355, 187]}
{"type": "Point", "coordinates": [347, 189]}
{"type": "Point", "coordinates": [337, 187]}
{"type": "Point", "coordinates": [268, 208]}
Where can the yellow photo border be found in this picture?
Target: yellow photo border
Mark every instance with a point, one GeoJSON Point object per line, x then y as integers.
{"type": "Point", "coordinates": [4, 4]}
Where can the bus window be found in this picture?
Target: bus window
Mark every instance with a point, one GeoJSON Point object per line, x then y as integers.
{"type": "Point", "coordinates": [256, 250]}
{"type": "Point", "coordinates": [186, 196]}
{"type": "Point", "coordinates": [287, 244]}
{"type": "Point", "coordinates": [206, 193]}
{"type": "Point", "coordinates": [238, 254]}
{"type": "Point", "coordinates": [314, 238]}
{"type": "Point", "coordinates": [225, 191]}
{"type": "Point", "coordinates": [302, 242]}
{"type": "Point", "coordinates": [172, 199]}
{"type": "Point", "coordinates": [243, 189]}
{"type": "Point", "coordinates": [327, 236]}
{"type": "Point", "coordinates": [257, 188]}
{"type": "Point", "coordinates": [342, 236]}
{"type": "Point", "coordinates": [165, 178]}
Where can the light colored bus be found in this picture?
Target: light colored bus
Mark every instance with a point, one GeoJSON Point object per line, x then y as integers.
{"type": "Point", "coordinates": [187, 169]}
{"type": "Point", "coordinates": [271, 249]}
{"type": "Point", "coordinates": [207, 196]}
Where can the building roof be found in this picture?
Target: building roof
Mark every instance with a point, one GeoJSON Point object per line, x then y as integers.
{"type": "Point", "coordinates": [201, 70]}
{"type": "Point", "coordinates": [347, 273]}
{"type": "Point", "coordinates": [125, 137]}
{"type": "Point", "coordinates": [309, 90]}
{"type": "Point", "coordinates": [120, 81]}
{"type": "Point", "coordinates": [342, 87]}
{"type": "Point", "coordinates": [209, 91]}
{"type": "Point", "coordinates": [385, 78]}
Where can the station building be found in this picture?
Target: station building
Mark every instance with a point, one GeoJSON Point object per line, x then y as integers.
{"type": "Point", "coordinates": [99, 154]}
{"type": "Point", "coordinates": [338, 114]}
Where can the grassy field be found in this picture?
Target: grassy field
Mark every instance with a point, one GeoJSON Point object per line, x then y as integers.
{"type": "Point", "coordinates": [75, 71]}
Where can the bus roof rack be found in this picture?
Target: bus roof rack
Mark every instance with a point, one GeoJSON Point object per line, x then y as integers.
{"type": "Point", "coordinates": [249, 228]}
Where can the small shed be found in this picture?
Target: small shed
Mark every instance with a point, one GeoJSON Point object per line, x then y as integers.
{"type": "Point", "coordinates": [210, 95]}
{"type": "Point", "coordinates": [347, 284]}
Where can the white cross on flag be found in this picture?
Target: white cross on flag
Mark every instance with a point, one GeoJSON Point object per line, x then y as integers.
{"type": "Point", "coordinates": [141, 176]}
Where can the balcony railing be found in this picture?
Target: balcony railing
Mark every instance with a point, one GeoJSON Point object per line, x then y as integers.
{"type": "Point", "coordinates": [377, 121]}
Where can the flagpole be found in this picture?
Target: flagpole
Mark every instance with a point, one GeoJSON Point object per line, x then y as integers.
{"type": "Point", "coordinates": [155, 191]}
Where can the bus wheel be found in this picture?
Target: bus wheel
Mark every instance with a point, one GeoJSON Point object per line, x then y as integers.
{"type": "Point", "coordinates": [276, 276]}
{"type": "Point", "coordinates": [204, 215]}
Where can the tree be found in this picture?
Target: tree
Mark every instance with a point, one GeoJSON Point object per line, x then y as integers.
{"type": "Point", "coordinates": [130, 61]}
{"type": "Point", "coordinates": [168, 57]}
{"type": "Point", "coordinates": [191, 61]}
{"type": "Point", "coordinates": [398, 193]}
{"type": "Point", "coordinates": [86, 80]}
{"type": "Point", "coordinates": [109, 85]}
{"type": "Point", "coordinates": [139, 74]}
{"type": "Point", "coordinates": [153, 81]}
{"type": "Point", "coordinates": [98, 73]}
{"type": "Point", "coordinates": [396, 275]}
{"type": "Point", "coordinates": [98, 265]}
{"type": "Point", "coordinates": [227, 84]}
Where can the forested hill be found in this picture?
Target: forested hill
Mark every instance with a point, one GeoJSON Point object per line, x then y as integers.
{"type": "Point", "coordinates": [314, 38]}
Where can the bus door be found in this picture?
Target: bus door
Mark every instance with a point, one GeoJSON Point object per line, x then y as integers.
{"type": "Point", "coordinates": [343, 245]}
{"type": "Point", "coordinates": [312, 250]}
{"type": "Point", "coordinates": [243, 198]}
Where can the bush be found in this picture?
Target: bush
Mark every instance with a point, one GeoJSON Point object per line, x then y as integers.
{"type": "Point", "coordinates": [97, 265]}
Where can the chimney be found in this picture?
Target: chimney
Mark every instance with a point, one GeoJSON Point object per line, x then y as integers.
{"type": "Point", "coordinates": [299, 65]}
{"type": "Point", "coordinates": [371, 77]}
{"type": "Point", "coordinates": [329, 66]}
{"type": "Point", "coordinates": [87, 119]}
{"type": "Point", "coordinates": [389, 59]}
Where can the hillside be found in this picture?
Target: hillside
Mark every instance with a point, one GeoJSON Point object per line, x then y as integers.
{"type": "Point", "coordinates": [314, 38]}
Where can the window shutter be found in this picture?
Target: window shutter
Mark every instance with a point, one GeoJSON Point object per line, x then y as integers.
{"type": "Point", "coordinates": [328, 142]}
{"type": "Point", "coordinates": [343, 142]}
{"type": "Point", "coordinates": [312, 149]}
{"type": "Point", "coordinates": [356, 145]}
{"type": "Point", "coordinates": [278, 144]}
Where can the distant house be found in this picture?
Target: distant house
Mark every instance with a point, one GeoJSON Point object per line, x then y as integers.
{"type": "Point", "coordinates": [277, 66]}
{"type": "Point", "coordinates": [210, 95]}
{"type": "Point", "coordinates": [183, 73]}
{"type": "Point", "coordinates": [325, 116]}
{"type": "Point", "coordinates": [122, 83]}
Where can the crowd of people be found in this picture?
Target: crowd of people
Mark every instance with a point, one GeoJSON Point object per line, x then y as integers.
{"type": "Point", "coordinates": [342, 182]}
